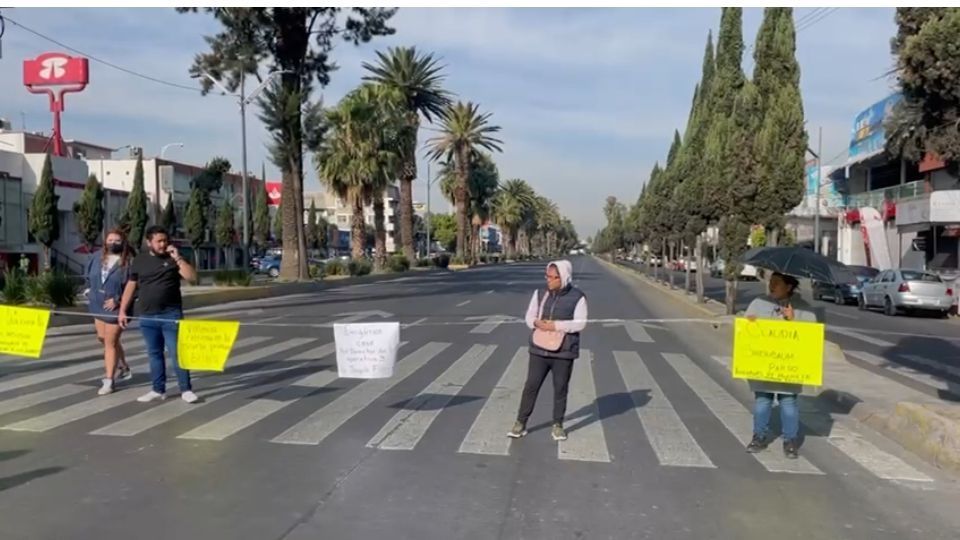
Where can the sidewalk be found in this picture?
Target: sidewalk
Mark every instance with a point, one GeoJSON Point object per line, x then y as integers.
{"type": "Point", "coordinates": [925, 425]}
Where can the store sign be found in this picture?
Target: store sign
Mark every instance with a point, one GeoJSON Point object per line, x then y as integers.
{"type": "Point", "coordinates": [274, 189]}
{"type": "Point", "coordinates": [945, 206]}
{"type": "Point", "coordinates": [868, 135]}
{"type": "Point", "coordinates": [56, 69]}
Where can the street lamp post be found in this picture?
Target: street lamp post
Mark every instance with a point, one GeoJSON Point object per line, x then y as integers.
{"type": "Point", "coordinates": [430, 180]}
{"type": "Point", "coordinates": [243, 100]}
{"type": "Point", "coordinates": [163, 149]}
{"type": "Point", "coordinates": [816, 214]}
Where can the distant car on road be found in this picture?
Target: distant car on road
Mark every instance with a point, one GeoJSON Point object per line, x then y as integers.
{"type": "Point", "coordinates": [843, 293]}
{"type": "Point", "coordinates": [269, 265]}
{"type": "Point", "coordinates": [907, 290]}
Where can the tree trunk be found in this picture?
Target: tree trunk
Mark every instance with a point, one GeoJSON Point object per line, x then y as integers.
{"type": "Point", "coordinates": [357, 227]}
{"type": "Point", "coordinates": [700, 268]}
{"type": "Point", "coordinates": [406, 216]}
{"type": "Point", "coordinates": [669, 271]}
{"type": "Point", "coordinates": [507, 244]}
{"type": "Point", "coordinates": [304, 272]}
{"type": "Point", "coordinates": [731, 295]}
{"type": "Point", "coordinates": [461, 199]}
{"type": "Point", "coordinates": [685, 250]}
{"type": "Point", "coordinates": [380, 243]}
{"type": "Point", "coordinates": [289, 269]}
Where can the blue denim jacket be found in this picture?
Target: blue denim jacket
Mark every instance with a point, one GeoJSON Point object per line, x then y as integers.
{"type": "Point", "coordinates": [101, 290]}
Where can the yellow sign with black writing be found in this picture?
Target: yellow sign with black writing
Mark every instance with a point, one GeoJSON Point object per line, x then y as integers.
{"type": "Point", "coordinates": [778, 351]}
{"type": "Point", "coordinates": [205, 345]}
{"type": "Point", "coordinates": [22, 330]}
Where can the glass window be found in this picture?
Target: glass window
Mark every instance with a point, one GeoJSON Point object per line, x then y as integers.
{"type": "Point", "coordinates": [911, 275]}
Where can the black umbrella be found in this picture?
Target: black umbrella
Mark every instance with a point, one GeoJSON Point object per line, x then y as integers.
{"type": "Point", "coordinates": [801, 263]}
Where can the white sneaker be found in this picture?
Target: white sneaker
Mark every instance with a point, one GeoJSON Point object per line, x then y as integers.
{"type": "Point", "coordinates": [107, 387]}
{"type": "Point", "coordinates": [189, 397]}
{"type": "Point", "coordinates": [151, 396]}
{"type": "Point", "coordinates": [124, 374]}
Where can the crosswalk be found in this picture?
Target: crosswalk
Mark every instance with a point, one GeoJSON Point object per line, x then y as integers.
{"type": "Point", "coordinates": [266, 376]}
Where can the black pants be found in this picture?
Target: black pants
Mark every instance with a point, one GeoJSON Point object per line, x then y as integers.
{"type": "Point", "coordinates": [536, 373]}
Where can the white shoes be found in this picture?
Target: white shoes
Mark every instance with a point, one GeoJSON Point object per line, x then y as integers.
{"type": "Point", "coordinates": [189, 397]}
{"type": "Point", "coordinates": [107, 387]}
{"type": "Point", "coordinates": [151, 396]}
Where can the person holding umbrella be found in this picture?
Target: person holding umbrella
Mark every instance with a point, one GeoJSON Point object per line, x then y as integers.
{"type": "Point", "coordinates": [782, 302]}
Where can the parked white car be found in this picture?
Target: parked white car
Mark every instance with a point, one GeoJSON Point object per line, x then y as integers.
{"type": "Point", "coordinates": [907, 290]}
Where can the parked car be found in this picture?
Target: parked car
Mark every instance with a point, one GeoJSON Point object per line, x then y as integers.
{"type": "Point", "coordinates": [907, 290]}
{"type": "Point", "coordinates": [716, 268]}
{"type": "Point", "coordinates": [270, 265]}
{"type": "Point", "coordinates": [843, 293]}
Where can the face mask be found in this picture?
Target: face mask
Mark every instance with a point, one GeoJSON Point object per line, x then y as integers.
{"type": "Point", "coordinates": [115, 249]}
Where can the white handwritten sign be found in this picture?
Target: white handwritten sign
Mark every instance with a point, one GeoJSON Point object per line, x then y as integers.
{"type": "Point", "coordinates": [366, 350]}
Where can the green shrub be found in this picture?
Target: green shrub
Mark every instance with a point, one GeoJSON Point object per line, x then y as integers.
{"type": "Point", "coordinates": [14, 287]}
{"type": "Point", "coordinates": [459, 261]}
{"type": "Point", "coordinates": [336, 268]}
{"type": "Point", "coordinates": [442, 261]}
{"type": "Point", "coordinates": [51, 288]}
{"type": "Point", "coordinates": [227, 278]}
{"type": "Point", "coordinates": [359, 268]}
{"type": "Point", "coordinates": [398, 263]}
{"type": "Point", "coordinates": [243, 278]}
{"type": "Point", "coordinates": [423, 263]}
{"type": "Point", "coordinates": [316, 271]}
{"type": "Point", "coordinates": [36, 290]}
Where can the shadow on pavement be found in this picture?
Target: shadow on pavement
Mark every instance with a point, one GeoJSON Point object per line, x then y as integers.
{"type": "Point", "coordinates": [29, 476]}
{"type": "Point", "coordinates": [609, 405]}
{"type": "Point", "coordinates": [948, 355]}
{"type": "Point", "coordinates": [432, 402]}
{"type": "Point", "coordinates": [7, 455]}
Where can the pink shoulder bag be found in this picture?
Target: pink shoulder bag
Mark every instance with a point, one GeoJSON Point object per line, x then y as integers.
{"type": "Point", "coordinates": [548, 340]}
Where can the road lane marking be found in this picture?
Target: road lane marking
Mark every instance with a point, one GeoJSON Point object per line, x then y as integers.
{"type": "Point", "coordinates": [872, 458]}
{"type": "Point", "coordinates": [66, 371]}
{"type": "Point", "coordinates": [98, 404]}
{"type": "Point", "coordinates": [586, 441]}
{"type": "Point", "coordinates": [488, 434]}
{"type": "Point", "coordinates": [465, 302]}
{"type": "Point", "coordinates": [36, 398]}
{"type": "Point", "coordinates": [907, 371]}
{"type": "Point", "coordinates": [733, 415]}
{"type": "Point", "coordinates": [410, 424]}
{"type": "Point", "coordinates": [637, 332]}
{"type": "Point", "coordinates": [844, 315]}
{"type": "Point", "coordinates": [671, 440]}
{"type": "Point", "coordinates": [319, 425]}
{"type": "Point", "coordinates": [862, 337]}
{"type": "Point", "coordinates": [490, 291]}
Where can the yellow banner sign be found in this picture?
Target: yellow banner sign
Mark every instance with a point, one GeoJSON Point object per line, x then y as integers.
{"type": "Point", "coordinates": [778, 351]}
{"type": "Point", "coordinates": [22, 330]}
{"type": "Point", "coordinates": [205, 345]}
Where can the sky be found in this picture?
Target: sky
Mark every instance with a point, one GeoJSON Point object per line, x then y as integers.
{"type": "Point", "coordinates": [587, 99]}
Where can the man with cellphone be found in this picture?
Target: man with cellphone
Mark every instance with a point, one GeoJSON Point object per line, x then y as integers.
{"type": "Point", "coordinates": [156, 274]}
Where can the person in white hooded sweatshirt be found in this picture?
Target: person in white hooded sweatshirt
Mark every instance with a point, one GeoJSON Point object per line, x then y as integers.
{"type": "Point", "coordinates": [556, 315]}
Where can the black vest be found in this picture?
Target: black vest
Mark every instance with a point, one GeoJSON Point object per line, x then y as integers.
{"type": "Point", "coordinates": [560, 306]}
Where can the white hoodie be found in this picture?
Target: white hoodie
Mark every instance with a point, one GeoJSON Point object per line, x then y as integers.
{"type": "Point", "coordinates": [579, 322]}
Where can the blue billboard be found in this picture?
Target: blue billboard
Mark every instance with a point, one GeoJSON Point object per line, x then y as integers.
{"type": "Point", "coordinates": [868, 135]}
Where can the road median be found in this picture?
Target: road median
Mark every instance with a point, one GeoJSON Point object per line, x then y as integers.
{"type": "Point", "coordinates": [924, 425]}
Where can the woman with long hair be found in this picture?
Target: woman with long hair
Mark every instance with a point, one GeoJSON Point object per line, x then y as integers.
{"type": "Point", "coordinates": [107, 275]}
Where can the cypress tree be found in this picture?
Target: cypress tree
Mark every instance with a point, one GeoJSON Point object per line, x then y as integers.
{"type": "Point", "coordinates": [43, 219]}
{"type": "Point", "coordinates": [134, 219]}
{"type": "Point", "coordinates": [224, 231]}
{"type": "Point", "coordinates": [195, 222]}
{"type": "Point", "coordinates": [261, 219]}
{"type": "Point", "coordinates": [89, 212]}
{"type": "Point", "coordinates": [312, 232]}
{"type": "Point", "coordinates": [169, 218]}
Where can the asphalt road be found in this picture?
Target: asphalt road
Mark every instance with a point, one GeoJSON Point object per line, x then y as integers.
{"type": "Point", "coordinates": [283, 449]}
{"type": "Point", "coordinates": [920, 351]}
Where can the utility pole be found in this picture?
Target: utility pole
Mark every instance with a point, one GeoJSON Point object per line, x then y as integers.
{"type": "Point", "coordinates": [428, 210]}
{"type": "Point", "coordinates": [816, 216]}
{"type": "Point", "coordinates": [245, 213]}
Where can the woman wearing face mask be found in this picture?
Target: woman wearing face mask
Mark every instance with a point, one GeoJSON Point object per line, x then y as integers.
{"type": "Point", "coordinates": [107, 274]}
{"type": "Point", "coordinates": [783, 303]}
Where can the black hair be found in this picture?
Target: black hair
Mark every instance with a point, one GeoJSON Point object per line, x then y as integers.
{"type": "Point", "coordinates": [154, 230]}
{"type": "Point", "coordinates": [791, 281]}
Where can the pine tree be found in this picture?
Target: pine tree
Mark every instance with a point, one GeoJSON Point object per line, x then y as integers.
{"type": "Point", "coordinates": [261, 219]}
{"type": "Point", "coordinates": [89, 212]}
{"type": "Point", "coordinates": [195, 222]}
{"type": "Point", "coordinates": [313, 234]}
{"type": "Point", "coordinates": [224, 231]}
{"type": "Point", "coordinates": [169, 217]}
{"type": "Point", "coordinates": [44, 218]}
{"type": "Point", "coordinates": [134, 219]}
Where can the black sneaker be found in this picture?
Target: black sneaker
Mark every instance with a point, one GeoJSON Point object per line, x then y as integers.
{"type": "Point", "coordinates": [790, 449]}
{"type": "Point", "coordinates": [757, 444]}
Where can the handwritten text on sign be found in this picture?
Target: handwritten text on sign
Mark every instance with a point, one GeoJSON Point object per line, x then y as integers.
{"type": "Point", "coordinates": [22, 330]}
{"type": "Point", "coordinates": [778, 351]}
{"type": "Point", "coordinates": [205, 345]}
{"type": "Point", "coordinates": [366, 350]}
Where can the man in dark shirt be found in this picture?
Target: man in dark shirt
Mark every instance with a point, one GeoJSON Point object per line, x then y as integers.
{"type": "Point", "coordinates": [157, 272]}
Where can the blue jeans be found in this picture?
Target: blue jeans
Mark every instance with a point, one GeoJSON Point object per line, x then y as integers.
{"type": "Point", "coordinates": [159, 331]}
{"type": "Point", "coordinates": [789, 414]}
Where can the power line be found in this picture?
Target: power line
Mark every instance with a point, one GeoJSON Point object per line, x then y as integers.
{"type": "Point", "coordinates": [101, 61]}
{"type": "Point", "coordinates": [817, 19]}
{"type": "Point", "coordinates": [809, 15]}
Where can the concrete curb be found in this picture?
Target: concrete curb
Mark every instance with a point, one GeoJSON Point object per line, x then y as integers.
{"type": "Point", "coordinates": [258, 292]}
{"type": "Point", "coordinates": [930, 432]}
{"type": "Point", "coordinates": [923, 429]}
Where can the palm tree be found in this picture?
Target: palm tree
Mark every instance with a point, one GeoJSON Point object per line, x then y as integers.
{"type": "Point", "coordinates": [483, 185]}
{"type": "Point", "coordinates": [418, 78]}
{"type": "Point", "coordinates": [511, 206]}
{"type": "Point", "coordinates": [357, 161]}
{"type": "Point", "coordinates": [464, 133]}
